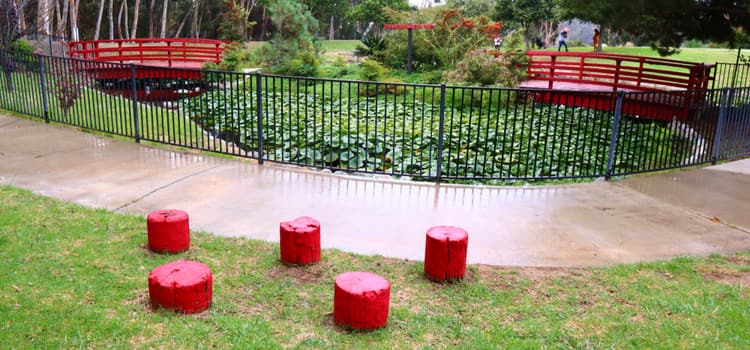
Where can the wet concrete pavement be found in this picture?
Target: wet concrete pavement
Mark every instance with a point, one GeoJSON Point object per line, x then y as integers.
{"type": "Point", "coordinates": [638, 219]}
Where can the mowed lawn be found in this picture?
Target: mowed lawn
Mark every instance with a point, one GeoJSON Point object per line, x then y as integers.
{"type": "Point", "coordinates": [74, 277]}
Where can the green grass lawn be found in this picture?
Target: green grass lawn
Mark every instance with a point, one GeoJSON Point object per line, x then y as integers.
{"type": "Point", "coordinates": [75, 277]}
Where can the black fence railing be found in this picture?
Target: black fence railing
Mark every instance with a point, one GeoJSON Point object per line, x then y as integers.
{"type": "Point", "coordinates": [433, 132]}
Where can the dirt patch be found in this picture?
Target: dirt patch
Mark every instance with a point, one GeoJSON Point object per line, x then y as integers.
{"type": "Point", "coordinates": [503, 277]}
{"type": "Point", "coordinates": [315, 273]}
{"type": "Point", "coordinates": [734, 278]}
{"type": "Point", "coordinates": [347, 56]}
{"type": "Point", "coordinates": [739, 260]}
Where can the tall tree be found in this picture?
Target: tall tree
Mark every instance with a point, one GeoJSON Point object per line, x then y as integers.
{"type": "Point", "coordinates": [666, 24]}
{"type": "Point", "coordinates": [163, 31]}
{"type": "Point", "coordinates": [538, 17]}
{"type": "Point", "coordinates": [136, 11]}
{"type": "Point", "coordinates": [110, 15]}
{"type": "Point", "coordinates": [99, 20]}
{"type": "Point", "coordinates": [43, 20]}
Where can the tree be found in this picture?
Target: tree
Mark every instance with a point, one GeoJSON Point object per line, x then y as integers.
{"type": "Point", "coordinates": [666, 24]}
{"type": "Point", "coordinates": [473, 8]}
{"type": "Point", "coordinates": [375, 11]}
{"type": "Point", "coordinates": [537, 17]}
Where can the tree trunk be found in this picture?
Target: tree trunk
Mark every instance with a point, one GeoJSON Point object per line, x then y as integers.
{"type": "Point", "coordinates": [62, 18]}
{"type": "Point", "coordinates": [127, 20]}
{"type": "Point", "coordinates": [74, 4]}
{"type": "Point", "coordinates": [194, 23]}
{"type": "Point", "coordinates": [331, 29]}
{"type": "Point", "coordinates": [119, 20]}
{"type": "Point", "coordinates": [182, 23]}
{"type": "Point", "coordinates": [263, 24]}
{"type": "Point", "coordinates": [42, 17]}
{"type": "Point", "coordinates": [110, 13]}
{"type": "Point", "coordinates": [151, 7]}
{"type": "Point", "coordinates": [163, 32]}
{"type": "Point", "coordinates": [99, 20]}
{"type": "Point", "coordinates": [136, 10]}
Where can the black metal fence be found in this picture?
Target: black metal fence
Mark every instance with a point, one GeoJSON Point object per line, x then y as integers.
{"type": "Point", "coordinates": [433, 132]}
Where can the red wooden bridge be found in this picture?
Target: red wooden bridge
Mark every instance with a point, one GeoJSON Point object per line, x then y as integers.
{"type": "Point", "coordinates": [669, 88]}
{"type": "Point", "coordinates": [166, 69]}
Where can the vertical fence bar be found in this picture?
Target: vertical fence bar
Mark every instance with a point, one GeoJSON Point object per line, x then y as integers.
{"type": "Point", "coordinates": [441, 126]}
{"type": "Point", "coordinates": [615, 132]}
{"type": "Point", "coordinates": [723, 107]}
{"type": "Point", "coordinates": [134, 98]}
{"type": "Point", "coordinates": [259, 109]}
{"type": "Point", "coordinates": [44, 89]}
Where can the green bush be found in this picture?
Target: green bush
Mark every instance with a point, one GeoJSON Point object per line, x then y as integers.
{"type": "Point", "coordinates": [21, 46]}
{"type": "Point", "coordinates": [372, 45]}
{"type": "Point", "coordinates": [372, 70]}
{"type": "Point", "coordinates": [304, 64]}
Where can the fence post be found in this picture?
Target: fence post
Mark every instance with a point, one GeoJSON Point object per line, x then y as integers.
{"type": "Point", "coordinates": [615, 132]}
{"type": "Point", "coordinates": [723, 109]}
{"type": "Point", "coordinates": [259, 109]}
{"type": "Point", "coordinates": [44, 89]}
{"type": "Point", "coordinates": [49, 41]}
{"type": "Point", "coordinates": [134, 97]}
{"type": "Point", "coordinates": [440, 134]}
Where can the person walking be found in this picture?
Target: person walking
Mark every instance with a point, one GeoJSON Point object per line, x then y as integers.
{"type": "Point", "coordinates": [562, 40]}
{"type": "Point", "coordinates": [596, 39]}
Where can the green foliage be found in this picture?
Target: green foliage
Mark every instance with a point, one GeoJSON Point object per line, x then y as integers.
{"type": "Point", "coordinates": [373, 45]}
{"type": "Point", "coordinates": [485, 67]}
{"type": "Point", "coordinates": [305, 64]}
{"type": "Point", "coordinates": [235, 57]}
{"type": "Point", "coordinates": [21, 46]}
{"type": "Point", "coordinates": [295, 32]}
{"type": "Point", "coordinates": [372, 70]}
{"type": "Point", "coordinates": [234, 25]}
{"type": "Point", "coordinates": [376, 11]}
{"type": "Point", "coordinates": [442, 47]}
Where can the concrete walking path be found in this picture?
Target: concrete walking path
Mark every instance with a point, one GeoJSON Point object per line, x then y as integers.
{"type": "Point", "coordinates": [693, 212]}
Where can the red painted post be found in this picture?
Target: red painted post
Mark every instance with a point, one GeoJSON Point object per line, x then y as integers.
{"type": "Point", "coordinates": [361, 300]}
{"type": "Point", "coordinates": [183, 286]}
{"type": "Point", "coordinates": [445, 253]}
{"type": "Point", "coordinates": [553, 59]}
{"type": "Point", "coordinates": [299, 241]}
{"type": "Point", "coordinates": [168, 231]}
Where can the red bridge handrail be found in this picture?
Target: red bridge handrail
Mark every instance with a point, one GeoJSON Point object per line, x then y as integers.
{"type": "Point", "coordinates": [144, 50]}
{"type": "Point", "coordinates": [634, 73]}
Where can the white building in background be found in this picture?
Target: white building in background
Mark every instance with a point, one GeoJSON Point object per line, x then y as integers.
{"type": "Point", "coordinates": [426, 3]}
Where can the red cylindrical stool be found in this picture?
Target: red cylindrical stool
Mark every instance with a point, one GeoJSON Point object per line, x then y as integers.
{"type": "Point", "coordinates": [184, 286]}
{"type": "Point", "coordinates": [360, 300]}
{"type": "Point", "coordinates": [445, 253]}
{"type": "Point", "coordinates": [168, 231]}
{"type": "Point", "coordinates": [300, 241]}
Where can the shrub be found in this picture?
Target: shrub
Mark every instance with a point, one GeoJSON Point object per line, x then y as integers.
{"type": "Point", "coordinates": [372, 45]}
{"type": "Point", "coordinates": [304, 64]}
{"type": "Point", "coordinates": [372, 70]}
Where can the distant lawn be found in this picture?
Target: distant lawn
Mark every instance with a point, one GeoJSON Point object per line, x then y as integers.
{"type": "Point", "coordinates": [74, 277]}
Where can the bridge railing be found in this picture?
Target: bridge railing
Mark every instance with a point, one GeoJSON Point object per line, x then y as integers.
{"type": "Point", "coordinates": [618, 72]}
{"type": "Point", "coordinates": [145, 51]}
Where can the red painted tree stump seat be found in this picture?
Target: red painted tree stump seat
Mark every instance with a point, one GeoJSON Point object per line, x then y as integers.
{"type": "Point", "coordinates": [168, 231]}
{"type": "Point", "coordinates": [300, 241]}
{"type": "Point", "coordinates": [445, 253]}
{"type": "Point", "coordinates": [360, 300]}
{"type": "Point", "coordinates": [183, 286]}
